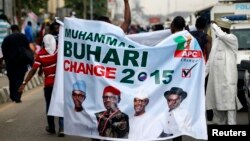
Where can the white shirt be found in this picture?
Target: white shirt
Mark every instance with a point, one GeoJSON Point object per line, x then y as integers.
{"type": "Point", "coordinates": [144, 127]}
{"type": "Point", "coordinates": [81, 124]}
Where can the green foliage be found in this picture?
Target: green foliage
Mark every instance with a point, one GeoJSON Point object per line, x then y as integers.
{"type": "Point", "coordinates": [75, 5]}
{"type": "Point", "coordinates": [34, 5]}
{"type": "Point", "coordinates": [99, 7]}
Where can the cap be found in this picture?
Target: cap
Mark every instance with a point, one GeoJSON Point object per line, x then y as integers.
{"type": "Point", "coordinates": [222, 23]}
{"type": "Point", "coordinates": [80, 85]}
{"type": "Point", "coordinates": [49, 43]}
{"type": "Point", "coordinates": [177, 91]}
{"type": "Point", "coordinates": [141, 94]}
{"type": "Point", "coordinates": [112, 90]}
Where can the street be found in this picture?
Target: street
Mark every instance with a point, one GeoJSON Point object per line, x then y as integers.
{"type": "Point", "coordinates": [26, 121]}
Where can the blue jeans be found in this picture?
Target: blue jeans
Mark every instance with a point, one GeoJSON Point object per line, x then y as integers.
{"type": "Point", "coordinates": [50, 119]}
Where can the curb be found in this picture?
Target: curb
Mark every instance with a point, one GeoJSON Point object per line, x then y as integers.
{"type": "Point", "coordinates": [33, 83]}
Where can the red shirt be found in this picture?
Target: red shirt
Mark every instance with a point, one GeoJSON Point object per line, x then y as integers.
{"type": "Point", "coordinates": [48, 63]}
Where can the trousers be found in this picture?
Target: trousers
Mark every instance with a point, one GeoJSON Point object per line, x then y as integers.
{"type": "Point", "coordinates": [16, 77]}
{"type": "Point", "coordinates": [225, 117]}
{"type": "Point", "coordinates": [51, 119]}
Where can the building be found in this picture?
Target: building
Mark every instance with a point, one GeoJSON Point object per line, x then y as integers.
{"type": "Point", "coordinates": [146, 11]}
{"type": "Point", "coordinates": [8, 7]}
{"type": "Point", "coordinates": [54, 4]}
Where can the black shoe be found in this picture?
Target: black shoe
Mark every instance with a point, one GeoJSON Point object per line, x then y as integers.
{"type": "Point", "coordinates": [18, 101]}
{"type": "Point", "coordinates": [60, 132]}
{"type": "Point", "coordinates": [51, 131]}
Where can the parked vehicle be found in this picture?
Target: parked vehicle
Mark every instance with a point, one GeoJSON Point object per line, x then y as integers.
{"type": "Point", "coordinates": [245, 64]}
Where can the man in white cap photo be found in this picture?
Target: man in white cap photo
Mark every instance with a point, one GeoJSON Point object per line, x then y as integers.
{"type": "Point", "coordinates": [79, 95]}
{"type": "Point", "coordinates": [80, 122]}
{"type": "Point", "coordinates": [144, 125]}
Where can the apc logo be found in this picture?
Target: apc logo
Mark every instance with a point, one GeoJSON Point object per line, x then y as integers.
{"type": "Point", "coordinates": [183, 48]}
{"type": "Point", "coordinates": [186, 73]}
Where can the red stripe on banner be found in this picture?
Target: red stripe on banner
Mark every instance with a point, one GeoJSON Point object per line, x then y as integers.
{"type": "Point", "coordinates": [188, 53]}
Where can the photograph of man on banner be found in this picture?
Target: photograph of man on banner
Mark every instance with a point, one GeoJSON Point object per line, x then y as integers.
{"type": "Point", "coordinates": [79, 113]}
{"type": "Point", "coordinates": [144, 124]}
{"type": "Point", "coordinates": [112, 122]}
{"type": "Point", "coordinates": [174, 98]}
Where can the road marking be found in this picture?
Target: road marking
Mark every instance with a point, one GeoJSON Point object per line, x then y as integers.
{"type": "Point", "coordinates": [10, 120]}
{"type": "Point", "coordinates": [6, 106]}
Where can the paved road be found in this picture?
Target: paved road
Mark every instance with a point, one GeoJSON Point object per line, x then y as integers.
{"type": "Point", "coordinates": [3, 80]}
{"type": "Point", "coordinates": [26, 121]}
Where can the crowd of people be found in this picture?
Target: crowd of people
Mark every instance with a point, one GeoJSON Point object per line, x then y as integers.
{"type": "Point", "coordinates": [219, 55]}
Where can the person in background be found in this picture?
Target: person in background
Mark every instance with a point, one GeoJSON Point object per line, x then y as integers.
{"type": "Point", "coordinates": [14, 46]}
{"type": "Point", "coordinates": [127, 18]}
{"type": "Point", "coordinates": [178, 24]}
{"type": "Point", "coordinates": [4, 31]}
{"type": "Point", "coordinates": [205, 42]}
{"type": "Point", "coordinates": [221, 93]}
{"type": "Point", "coordinates": [29, 32]}
{"type": "Point", "coordinates": [46, 59]}
{"type": "Point", "coordinates": [72, 14]}
{"type": "Point", "coordinates": [157, 27]}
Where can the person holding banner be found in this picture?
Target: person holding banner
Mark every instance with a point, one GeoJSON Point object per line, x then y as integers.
{"type": "Point", "coordinates": [46, 59]}
{"type": "Point", "coordinates": [174, 98]}
{"type": "Point", "coordinates": [144, 125]}
{"type": "Point", "coordinates": [127, 17]}
{"type": "Point", "coordinates": [178, 24]}
{"type": "Point", "coordinates": [112, 122]}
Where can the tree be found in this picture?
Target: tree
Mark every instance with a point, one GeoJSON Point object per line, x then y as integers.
{"type": "Point", "coordinates": [76, 5]}
{"type": "Point", "coordinates": [33, 5]}
{"type": "Point", "coordinates": [99, 7]}
{"type": "Point", "coordinates": [24, 6]}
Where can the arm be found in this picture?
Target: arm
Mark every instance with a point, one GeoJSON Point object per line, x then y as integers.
{"type": "Point", "coordinates": [127, 17]}
{"type": "Point", "coordinates": [208, 46]}
{"type": "Point", "coordinates": [207, 68]}
{"type": "Point", "coordinates": [27, 79]}
{"type": "Point", "coordinates": [229, 39]}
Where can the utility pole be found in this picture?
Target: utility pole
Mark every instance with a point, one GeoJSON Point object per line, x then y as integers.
{"type": "Point", "coordinates": [91, 9]}
{"type": "Point", "coordinates": [19, 12]}
{"type": "Point", "coordinates": [168, 7]}
{"type": "Point", "coordinates": [84, 9]}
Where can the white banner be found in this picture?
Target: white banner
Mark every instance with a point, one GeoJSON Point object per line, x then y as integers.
{"type": "Point", "coordinates": [116, 88]}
